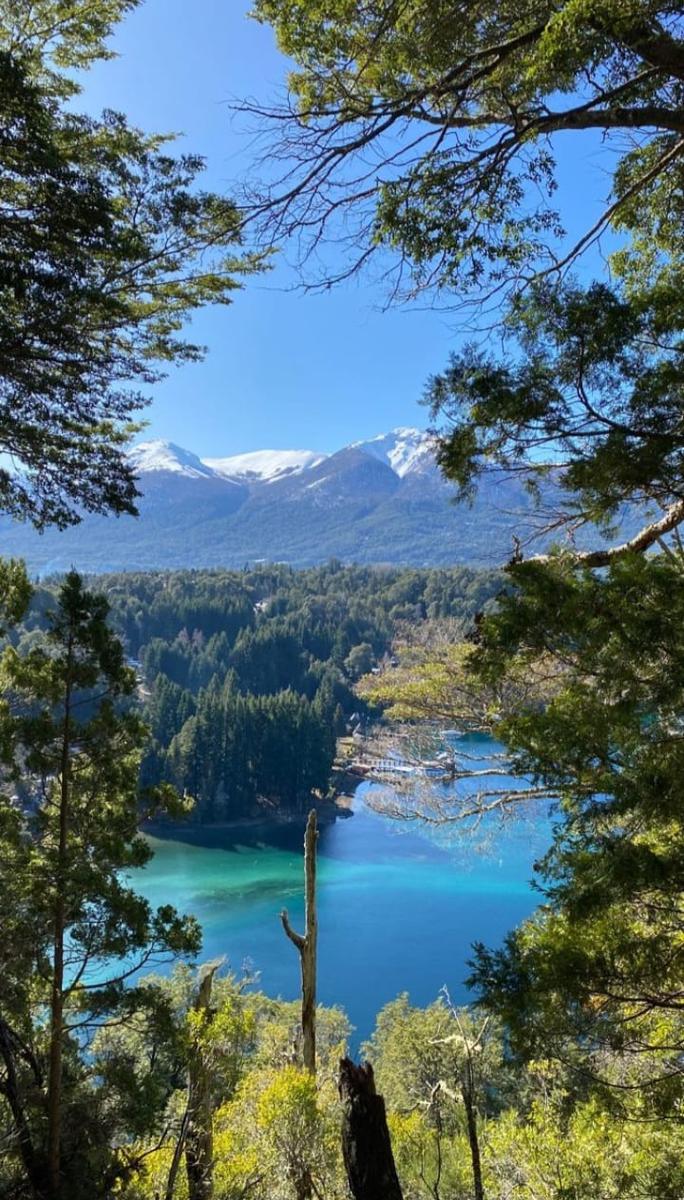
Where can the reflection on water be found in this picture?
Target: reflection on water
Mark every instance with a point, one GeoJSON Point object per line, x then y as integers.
{"type": "Point", "coordinates": [398, 909]}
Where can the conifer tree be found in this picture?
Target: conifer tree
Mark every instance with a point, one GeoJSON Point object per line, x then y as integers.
{"type": "Point", "coordinates": [74, 931]}
{"type": "Point", "coordinates": [108, 245]}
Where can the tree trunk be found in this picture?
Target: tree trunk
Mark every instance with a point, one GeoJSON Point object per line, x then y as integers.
{"type": "Point", "coordinates": [467, 1092]}
{"type": "Point", "coordinates": [34, 1165]}
{"type": "Point", "coordinates": [176, 1159]}
{"type": "Point", "coordinates": [366, 1145]}
{"type": "Point", "coordinates": [199, 1140]}
{"type": "Point", "coordinates": [309, 952]}
{"type": "Point", "coordinates": [54, 1114]}
{"type": "Point", "coordinates": [307, 945]}
{"type": "Point", "coordinates": [55, 1068]}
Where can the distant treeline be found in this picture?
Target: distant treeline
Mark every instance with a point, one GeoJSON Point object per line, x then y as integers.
{"type": "Point", "coordinates": [247, 677]}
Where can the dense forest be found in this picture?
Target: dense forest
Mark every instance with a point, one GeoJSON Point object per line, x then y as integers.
{"type": "Point", "coordinates": [247, 678]}
{"type": "Point", "coordinates": [422, 136]}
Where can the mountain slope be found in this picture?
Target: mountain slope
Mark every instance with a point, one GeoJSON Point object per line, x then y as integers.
{"type": "Point", "coordinates": [378, 501]}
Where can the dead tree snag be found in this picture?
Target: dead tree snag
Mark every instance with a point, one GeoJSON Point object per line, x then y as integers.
{"type": "Point", "coordinates": [306, 945]}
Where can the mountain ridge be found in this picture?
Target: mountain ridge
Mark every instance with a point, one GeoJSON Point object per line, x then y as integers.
{"type": "Point", "coordinates": [382, 501]}
{"type": "Point", "coordinates": [403, 449]}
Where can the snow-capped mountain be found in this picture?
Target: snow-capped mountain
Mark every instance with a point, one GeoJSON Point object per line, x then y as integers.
{"type": "Point", "coordinates": [160, 455]}
{"type": "Point", "coordinates": [402, 449]}
{"type": "Point", "coordinates": [376, 501]}
{"type": "Point", "coordinates": [264, 465]}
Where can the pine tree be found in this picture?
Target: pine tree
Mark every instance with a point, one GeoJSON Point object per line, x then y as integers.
{"type": "Point", "coordinates": [74, 931]}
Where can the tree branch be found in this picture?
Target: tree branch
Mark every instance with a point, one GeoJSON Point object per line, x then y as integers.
{"type": "Point", "coordinates": [295, 938]}
{"type": "Point", "coordinates": [656, 47]}
{"type": "Point", "coordinates": [641, 542]}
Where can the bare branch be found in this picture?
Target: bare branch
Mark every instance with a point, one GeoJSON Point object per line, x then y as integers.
{"type": "Point", "coordinates": [295, 938]}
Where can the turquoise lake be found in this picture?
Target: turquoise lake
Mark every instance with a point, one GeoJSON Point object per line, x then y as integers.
{"type": "Point", "coordinates": [398, 907]}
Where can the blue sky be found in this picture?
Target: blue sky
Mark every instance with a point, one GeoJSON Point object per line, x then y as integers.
{"type": "Point", "coordinates": [283, 369]}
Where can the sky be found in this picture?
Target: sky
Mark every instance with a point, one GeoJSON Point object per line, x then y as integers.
{"type": "Point", "coordinates": [283, 369]}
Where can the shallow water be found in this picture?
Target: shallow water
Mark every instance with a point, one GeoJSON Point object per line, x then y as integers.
{"type": "Point", "coordinates": [398, 911]}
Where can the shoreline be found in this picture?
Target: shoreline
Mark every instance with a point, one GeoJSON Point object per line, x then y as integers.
{"type": "Point", "coordinates": [328, 811]}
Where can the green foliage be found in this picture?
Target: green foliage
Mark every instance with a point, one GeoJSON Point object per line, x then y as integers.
{"type": "Point", "coordinates": [295, 1140]}
{"type": "Point", "coordinates": [274, 1127]}
{"type": "Point", "coordinates": [429, 132]}
{"type": "Point", "coordinates": [238, 749]}
{"type": "Point", "coordinates": [252, 673]}
{"type": "Point", "coordinates": [429, 1162]}
{"type": "Point", "coordinates": [430, 680]}
{"type": "Point", "coordinates": [432, 128]}
{"type": "Point", "coordinates": [582, 1152]}
{"type": "Point", "coordinates": [600, 965]}
{"type": "Point", "coordinates": [108, 246]}
{"type": "Point", "coordinates": [419, 1057]}
{"type": "Point", "coordinates": [276, 1131]}
{"type": "Point", "coordinates": [74, 931]}
{"type": "Point", "coordinates": [59, 35]}
{"type": "Point", "coordinates": [592, 383]}
{"type": "Point", "coordinates": [15, 592]}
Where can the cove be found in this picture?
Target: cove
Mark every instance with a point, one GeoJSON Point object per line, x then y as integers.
{"type": "Point", "coordinates": [399, 908]}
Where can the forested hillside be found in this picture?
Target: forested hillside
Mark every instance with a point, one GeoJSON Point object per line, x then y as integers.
{"type": "Point", "coordinates": [246, 678]}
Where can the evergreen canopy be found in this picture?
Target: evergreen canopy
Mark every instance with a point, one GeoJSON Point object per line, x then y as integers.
{"type": "Point", "coordinates": [107, 245]}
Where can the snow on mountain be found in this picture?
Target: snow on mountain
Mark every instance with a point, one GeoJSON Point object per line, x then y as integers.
{"type": "Point", "coordinates": [404, 450]}
{"type": "Point", "coordinates": [381, 501]}
{"type": "Point", "coordinates": [160, 455]}
{"type": "Point", "coordinates": [264, 466]}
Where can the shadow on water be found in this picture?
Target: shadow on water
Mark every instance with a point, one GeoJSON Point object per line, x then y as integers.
{"type": "Point", "coordinates": [233, 838]}
{"type": "Point", "coordinates": [363, 835]}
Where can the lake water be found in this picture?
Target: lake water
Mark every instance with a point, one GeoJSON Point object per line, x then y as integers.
{"type": "Point", "coordinates": [398, 909]}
